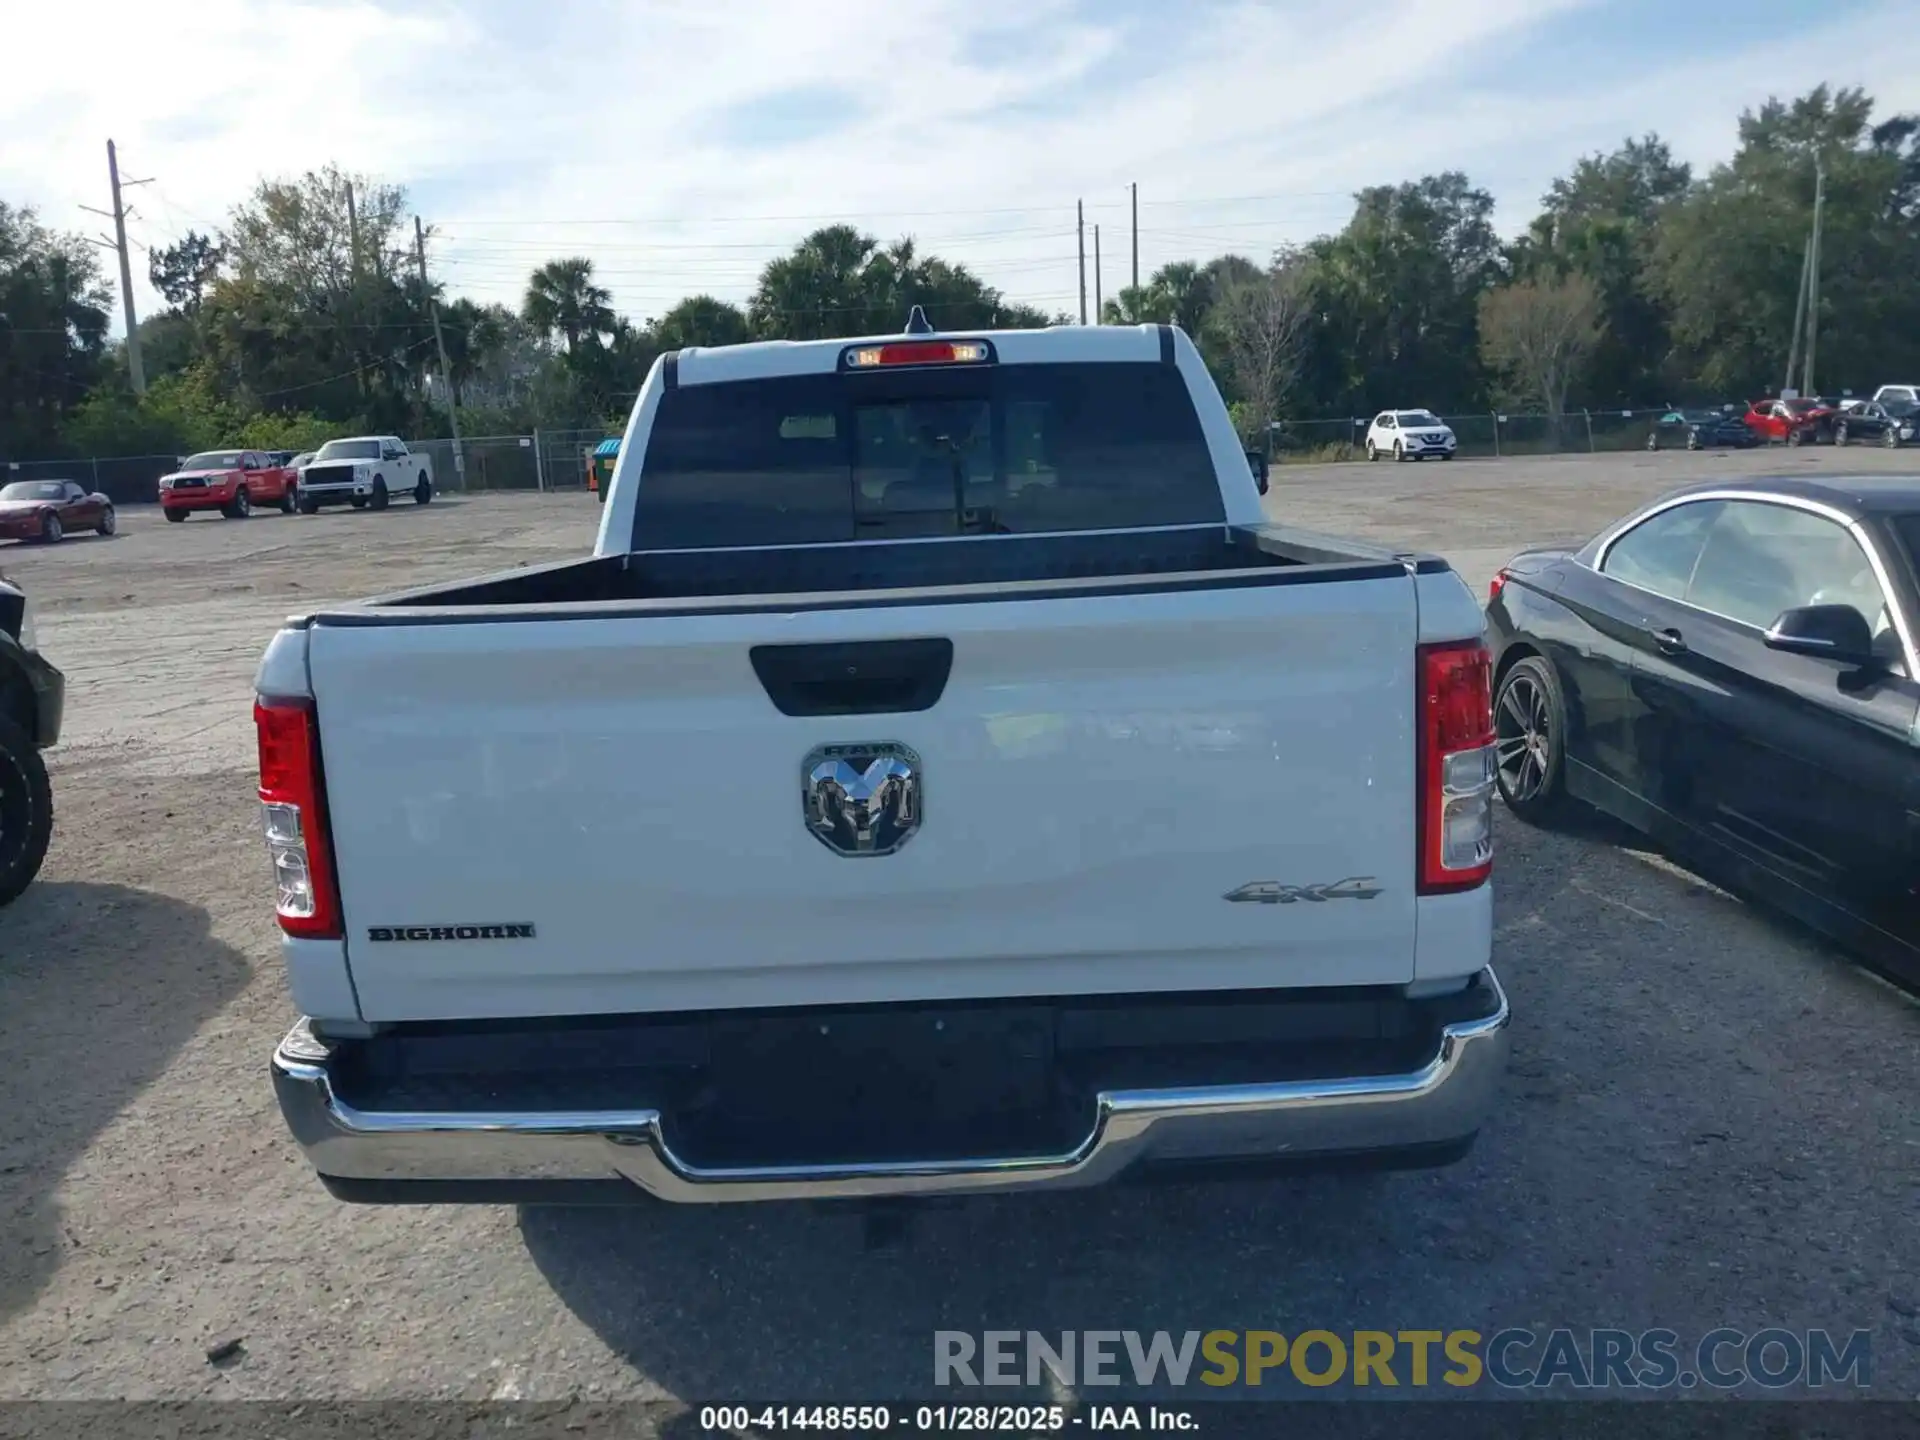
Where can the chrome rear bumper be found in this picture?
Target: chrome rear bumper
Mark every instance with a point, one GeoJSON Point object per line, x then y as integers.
{"type": "Point", "coordinates": [1441, 1102]}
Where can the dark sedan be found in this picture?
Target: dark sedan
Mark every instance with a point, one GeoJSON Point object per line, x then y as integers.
{"type": "Point", "coordinates": [1731, 670]}
{"type": "Point", "coordinates": [1870, 421]}
{"type": "Point", "coordinates": [1701, 430]}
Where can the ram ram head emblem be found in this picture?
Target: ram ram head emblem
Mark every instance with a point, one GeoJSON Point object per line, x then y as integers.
{"type": "Point", "coordinates": [862, 799]}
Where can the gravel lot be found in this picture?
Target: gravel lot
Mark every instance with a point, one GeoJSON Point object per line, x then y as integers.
{"type": "Point", "coordinates": [1711, 1117]}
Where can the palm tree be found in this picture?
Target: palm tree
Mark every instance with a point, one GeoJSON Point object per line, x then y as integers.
{"type": "Point", "coordinates": [818, 291]}
{"type": "Point", "coordinates": [1137, 305]}
{"type": "Point", "coordinates": [701, 320]}
{"type": "Point", "coordinates": [1188, 293]}
{"type": "Point", "coordinates": [562, 298]}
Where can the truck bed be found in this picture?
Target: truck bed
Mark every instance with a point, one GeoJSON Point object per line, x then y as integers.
{"type": "Point", "coordinates": [912, 572]}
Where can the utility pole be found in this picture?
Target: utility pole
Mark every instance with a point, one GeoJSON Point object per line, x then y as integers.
{"type": "Point", "coordinates": [1799, 315]}
{"type": "Point", "coordinates": [1134, 190]}
{"type": "Point", "coordinates": [1099, 310]}
{"type": "Point", "coordinates": [440, 343]}
{"type": "Point", "coordinates": [353, 233]}
{"type": "Point", "coordinates": [1080, 229]}
{"type": "Point", "coordinates": [136, 372]}
{"type": "Point", "coordinates": [1813, 271]}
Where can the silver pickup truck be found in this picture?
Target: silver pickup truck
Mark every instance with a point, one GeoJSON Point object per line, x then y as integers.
{"type": "Point", "coordinates": [942, 777]}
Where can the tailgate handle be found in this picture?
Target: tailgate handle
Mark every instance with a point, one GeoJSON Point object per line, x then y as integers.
{"type": "Point", "coordinates": [857, 677]}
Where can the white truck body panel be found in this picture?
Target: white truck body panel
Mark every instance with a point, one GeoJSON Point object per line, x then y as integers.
{"type": "Point", "coordinates": [1100, 772]}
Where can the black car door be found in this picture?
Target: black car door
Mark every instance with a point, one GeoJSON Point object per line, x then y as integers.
{"type": "Point", "coordinates": [1797, 761]}
{"type": "Point", "coordinates": [1617, 603]}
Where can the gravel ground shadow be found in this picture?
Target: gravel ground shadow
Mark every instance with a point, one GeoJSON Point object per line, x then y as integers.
{"type": "Point", "coordinates": [806, 1301]}
{"type": "Point", "coordinates": [99, 986]}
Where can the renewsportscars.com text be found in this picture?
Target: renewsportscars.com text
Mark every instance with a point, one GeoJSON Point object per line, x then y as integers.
{"type": "Point", "coordinates": [1514, 1359]}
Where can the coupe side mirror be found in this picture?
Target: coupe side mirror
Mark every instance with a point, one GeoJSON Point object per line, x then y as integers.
{"type": "Point", "coordinates": [1257, 462]}
{"type": "Point", "coordinates": [1836, 632]}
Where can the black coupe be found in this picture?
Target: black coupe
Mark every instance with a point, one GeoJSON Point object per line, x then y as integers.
{"type": "Point", "coordinates": [1700, 430]}
{"type": "Point", "coordinates": [1732, 671]}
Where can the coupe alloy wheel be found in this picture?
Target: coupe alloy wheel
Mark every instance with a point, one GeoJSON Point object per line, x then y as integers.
{"type": "Point", "coordinates": [1523, 738]}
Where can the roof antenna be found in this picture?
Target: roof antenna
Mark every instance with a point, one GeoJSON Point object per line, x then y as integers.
{"type": "Point", "coordinates": [917, 323]}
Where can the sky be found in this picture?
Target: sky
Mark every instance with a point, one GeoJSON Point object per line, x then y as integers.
{"type": "Point", "coordinates": [680, 144]}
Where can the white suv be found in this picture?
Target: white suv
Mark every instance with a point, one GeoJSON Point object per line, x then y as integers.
{"type": "Point", "coordinates": [1409, 434]}
{"type": "Point", "coordinates": [1897, 395]}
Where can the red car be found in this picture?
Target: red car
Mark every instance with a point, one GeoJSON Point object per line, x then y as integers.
{"type": "Point", "coordinates": [230, 481]}
{"type": "Point", "coordinates": [1791, 422]}
{"type": "Point", "coordinates": [46, 510]}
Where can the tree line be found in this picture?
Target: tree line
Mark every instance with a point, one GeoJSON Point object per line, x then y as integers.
{"type": "Point", "coordinates": [1638, 283]}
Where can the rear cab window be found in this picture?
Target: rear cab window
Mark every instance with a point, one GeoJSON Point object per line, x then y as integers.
{"type": "Point", "coordinates": [947, 451]}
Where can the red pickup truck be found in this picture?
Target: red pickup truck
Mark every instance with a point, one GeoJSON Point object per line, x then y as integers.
{"type": "Point", "coordinates": [230, 481]}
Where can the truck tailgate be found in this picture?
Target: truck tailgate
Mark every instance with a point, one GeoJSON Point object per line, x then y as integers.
{"type": "Point", "coordinates": [550, 814]}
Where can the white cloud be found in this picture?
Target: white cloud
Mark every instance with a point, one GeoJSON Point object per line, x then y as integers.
{"type": "Point", "coordinates": [972, 123]}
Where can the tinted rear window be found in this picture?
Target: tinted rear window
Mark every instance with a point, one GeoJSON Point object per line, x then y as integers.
{"type": "Point", "coordinates": [816, 459]}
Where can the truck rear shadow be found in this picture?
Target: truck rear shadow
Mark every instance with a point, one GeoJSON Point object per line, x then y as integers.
{"type": "Point", "coordinates": [99, 986]}
{"type": "Point", "coordinates": [811, 1301]}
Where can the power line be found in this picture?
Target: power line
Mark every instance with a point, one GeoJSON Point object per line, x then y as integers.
{"type": "Point", "coordinates": [674, 275]}
{"type": "Point", "coordinates": [846, 215]}
{"type": "Point", "coordinates": [547, 245]}
{"type": "Point", "coordinates": [379, 364]}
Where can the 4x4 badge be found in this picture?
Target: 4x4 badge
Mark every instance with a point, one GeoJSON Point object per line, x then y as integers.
{"type": "Point", "coordinates": [1272, 892]}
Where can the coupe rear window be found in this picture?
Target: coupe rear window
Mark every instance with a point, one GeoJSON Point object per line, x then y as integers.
{"type": "Point", "coordinates": [213, 460]}
{"type": "Point", "coordinates": [1018, 449]}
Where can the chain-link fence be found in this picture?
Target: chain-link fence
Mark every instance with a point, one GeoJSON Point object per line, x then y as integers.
{"type": "Point", "coordinates": [544, 460]}
{"type": "Point", "coordinates": [564, 456]}
{"type": "Point", "coordinates": [486, 462]}
{"type": "Point", "coordinates": [559, 459]}
{"type": "Point", "coordinates": [1490, 435]}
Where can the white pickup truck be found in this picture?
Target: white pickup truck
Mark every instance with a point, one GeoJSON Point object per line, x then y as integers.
{"type": "Point", "coordinates": [942, 777]}
{"type": "Point", "coordinates": [364, 470]}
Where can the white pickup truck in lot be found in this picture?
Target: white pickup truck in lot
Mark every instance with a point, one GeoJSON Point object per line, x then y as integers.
{"type": "Point", "coordinates": [362, 471]}
{"type": "Point", "coordinates": [941, 778]}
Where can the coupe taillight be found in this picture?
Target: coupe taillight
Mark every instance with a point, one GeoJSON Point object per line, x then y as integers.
{"type": "Point", "coordinates": [1455, 766]}
{"type": "Point", "coordinates": [294, 815]}
{"type": "Point", "coordinates": [1495, 586]}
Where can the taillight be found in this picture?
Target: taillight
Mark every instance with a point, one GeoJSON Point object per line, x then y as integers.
{"type": "Point", "coordinates": [293, 811]}
{"type": "Point", "coordinates": [1495, 586]}
{"type": "Point", "coordinates": [1455, 766]}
